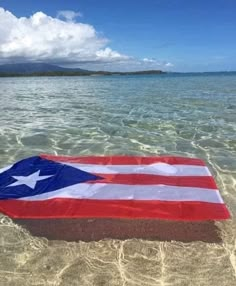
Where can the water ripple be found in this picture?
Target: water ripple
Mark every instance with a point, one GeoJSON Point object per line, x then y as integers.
{"type": "Point", "coordinates": [180, 115]}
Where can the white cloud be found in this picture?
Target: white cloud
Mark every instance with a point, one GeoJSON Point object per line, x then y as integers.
{"type": "Point", "coordinates": [68, 15]}
{"type": "Point", "coordinates": [169, 65]}
{"type": "Point", "coordinates": [131, 64]}
{"type": "Point", "coordinates": [153, 62]}
{"type": "Point", "coordinates": [109, 53]}
{"type": "Point", "coordinates": [44, 38]}
{"type": "Point", "coordinates": [147, 60]}
{"type": "Point", "coordinates": [63, 41]}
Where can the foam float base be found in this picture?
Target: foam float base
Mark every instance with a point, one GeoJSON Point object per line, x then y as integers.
{"type": "Point", "coordinates": [97, 229]}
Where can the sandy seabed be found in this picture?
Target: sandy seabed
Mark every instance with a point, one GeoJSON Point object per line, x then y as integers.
{"type": "Point", "coordinates": [28, 260]}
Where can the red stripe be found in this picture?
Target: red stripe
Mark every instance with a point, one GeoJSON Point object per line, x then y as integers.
{"type": "Point", "coordinates": [125, 160]}
{"type": "Point", "coordinates": [146, 179]}
{"type": "Point", "coordinates": [73, 208]}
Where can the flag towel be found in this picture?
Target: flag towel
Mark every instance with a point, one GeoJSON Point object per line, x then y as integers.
{"type": "Point", "coordinates": [126, 187]}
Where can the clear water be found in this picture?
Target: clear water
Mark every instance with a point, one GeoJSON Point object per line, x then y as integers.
{"type": "Point", "coordinates": [146, 115]}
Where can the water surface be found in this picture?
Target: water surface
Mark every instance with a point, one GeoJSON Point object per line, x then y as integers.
{"type": "Point", "coordinates": [189, 115]}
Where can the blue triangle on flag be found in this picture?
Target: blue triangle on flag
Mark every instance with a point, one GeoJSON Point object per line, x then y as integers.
{"type": "Point", "coordinates": [48, 175]}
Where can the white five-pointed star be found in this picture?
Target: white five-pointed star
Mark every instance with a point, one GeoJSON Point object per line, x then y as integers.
{"type": "Point", "coordinates": [29, 181]}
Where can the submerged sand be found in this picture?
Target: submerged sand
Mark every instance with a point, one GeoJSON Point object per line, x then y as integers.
{"type": "Point", "coordinates": [28, 260]}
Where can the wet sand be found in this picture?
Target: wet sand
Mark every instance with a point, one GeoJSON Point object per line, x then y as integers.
{"type": "Point", "coordinates": [27, 260]}
{"type": "Point", "coordinates": [98, 229]}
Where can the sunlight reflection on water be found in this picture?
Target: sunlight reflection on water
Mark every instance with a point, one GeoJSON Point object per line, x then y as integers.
{"type": "Point", "coordinates": [179, 115]}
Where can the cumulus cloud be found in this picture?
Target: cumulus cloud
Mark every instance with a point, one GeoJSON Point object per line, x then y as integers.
{"type": "Point", "coordinates": [64, 41]}
{"type": "Point", "coordinates": [44, 38]}
{"type": "Point", "coordinates": [154, 62]}
{"type": "Point", "coordinates": [169, 65]}
{"type": "Point", "coordinates": [68, 15]}
{"type": "Point", "coordinates": [131, 64]}
{"type": "Point", "coordinates": [147, 60]}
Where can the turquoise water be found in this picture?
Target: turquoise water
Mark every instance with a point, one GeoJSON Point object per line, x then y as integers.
{"type": "Point", "coordinates": [190, 115]}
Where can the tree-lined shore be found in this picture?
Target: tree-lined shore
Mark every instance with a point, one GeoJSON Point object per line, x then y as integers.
{"type": "Point", "coordinates": [77, 73]}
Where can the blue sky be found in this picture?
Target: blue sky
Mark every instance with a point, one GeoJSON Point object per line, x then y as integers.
{"type": "Point", "coordinates": [177, 35]}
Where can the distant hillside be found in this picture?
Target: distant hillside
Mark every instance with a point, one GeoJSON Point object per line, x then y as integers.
{"type": "Point", "coordinates": [44, 69]}
{"type": "Point", "coordinates": [27, 68]}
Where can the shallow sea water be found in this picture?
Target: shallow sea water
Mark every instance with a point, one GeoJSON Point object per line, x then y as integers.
{"type": "Point", "coordinates": [189, 115]}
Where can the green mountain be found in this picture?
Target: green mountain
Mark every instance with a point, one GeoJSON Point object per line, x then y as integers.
{"type": "Point", "coordinates": [44, 69]}
{"type": "Point", "coordinates": [27, 68]}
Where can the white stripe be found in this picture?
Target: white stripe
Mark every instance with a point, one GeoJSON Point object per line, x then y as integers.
{"type": "Point", "coordinates": [152, 169]}
{"type": "Point", "coordinates": [5, 169]}
{"type": "Point", "coordinates": [127, 192]}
